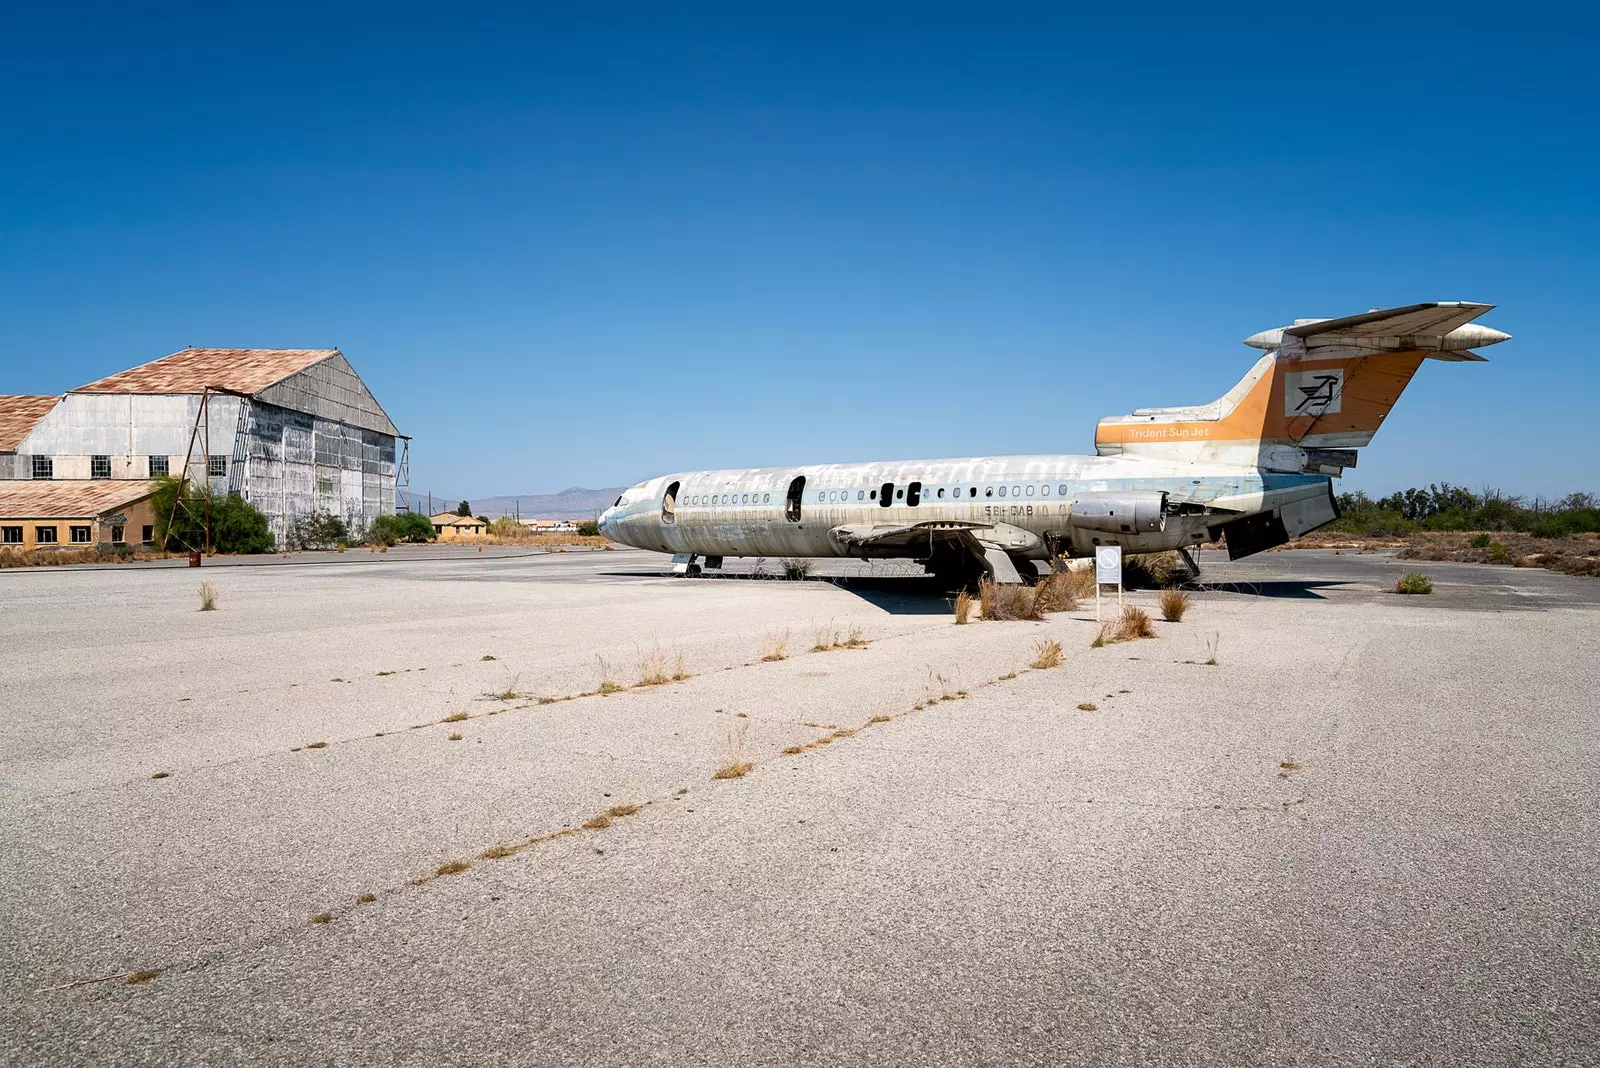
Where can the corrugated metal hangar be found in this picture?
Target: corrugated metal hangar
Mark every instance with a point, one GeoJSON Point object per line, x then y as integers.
{"type": "Point", "coordinates": [293, 431]}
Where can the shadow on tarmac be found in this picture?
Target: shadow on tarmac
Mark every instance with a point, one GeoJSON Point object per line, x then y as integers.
{"type": "Point", "coordinates": [1295, 589]}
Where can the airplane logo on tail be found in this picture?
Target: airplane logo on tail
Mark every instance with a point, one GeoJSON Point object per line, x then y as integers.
{"type": "Point", "coordinates": [1313, 392]}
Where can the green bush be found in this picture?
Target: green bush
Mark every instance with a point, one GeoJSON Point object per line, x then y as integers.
{"type": "Point", "coordinates": [237, 526]}
{"type": "Point", "coordinates": [589, 528]}
{"type": "Point", "coordinates": [1498, 553]}
{"type": "Point", "coordinates": [405, 526]}
{"type": "Point", "coordinates": [1480, 541]}
{"type": "Point", "coordinates": [317, 530]}
{"type": "Point", "coordinates": [1413, 582]}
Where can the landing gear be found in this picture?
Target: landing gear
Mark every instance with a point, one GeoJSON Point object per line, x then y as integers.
{"type": "Point", "coordinates": [683, 564]}
{"type": "Point", "coordinates": [954, 568]}
{"type": "Point", "coordinates": [1190, 564]}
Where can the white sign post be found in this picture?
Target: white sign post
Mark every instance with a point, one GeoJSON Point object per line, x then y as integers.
{"type": "Point", "coordinates": [1107, 572]}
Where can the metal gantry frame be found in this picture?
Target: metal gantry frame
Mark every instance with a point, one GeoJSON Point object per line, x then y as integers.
{"type": "Point", "coordinates": [201, 430]}
{"type": "Point", "coordinates": [402, 476]}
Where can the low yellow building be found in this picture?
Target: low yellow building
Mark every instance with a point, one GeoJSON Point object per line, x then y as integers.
{"type": "Point", "coordinates": [452, 527]}
{"type": "Point", "coordinates": [75, 513]}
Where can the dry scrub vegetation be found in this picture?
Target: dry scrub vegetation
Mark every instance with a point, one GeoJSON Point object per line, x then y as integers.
{"type": "Point", "coordinates": [737, 765]}
{"type": "Point", "coordinates": [1174, 603]}
{"type": "Point", "coordinates": [1059, 591]}
{"type": "Point", "coordinates": [1133, 624]}
{"type": "Point", "coordinates": [1048, 654]}
{"type": "Point", "coordinates": [774, 646]}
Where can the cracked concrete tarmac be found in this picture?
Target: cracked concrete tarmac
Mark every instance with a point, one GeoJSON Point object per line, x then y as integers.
{"type": "Point", "coordinates": [1366, 836]}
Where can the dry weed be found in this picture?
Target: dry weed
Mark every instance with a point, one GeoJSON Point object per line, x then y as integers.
{"type": "Point", "coordinates": [653, 668]}
{"type": "Point", "coordinates": [1135, 623]}
{"type": "Point", "coordinates": [1054, 593]}
{"type": "Point", "coordinates": [1174, 603]}
{"type": "Point", "coordinates": [963, 607]}
{"type": "Point", "coordinates": [1049, 654]}
{"type": "Point", "coordinates": [1005, 601]}
{"type": "Point", "coordinates": [738, 764]}
{"type": "Point", "coordinates": [774, 646]}
{"type": "Point", "coordinates": [208, 597]}
{"type": "Point", "coordinates": [608, 677]}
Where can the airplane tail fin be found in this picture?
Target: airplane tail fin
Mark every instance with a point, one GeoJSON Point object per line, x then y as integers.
{"type": "Point", "coordinates": [1321, 392]}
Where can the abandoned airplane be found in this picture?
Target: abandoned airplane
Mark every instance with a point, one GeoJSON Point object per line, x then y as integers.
{"type": "Point", "coordinates": [1254, 468]}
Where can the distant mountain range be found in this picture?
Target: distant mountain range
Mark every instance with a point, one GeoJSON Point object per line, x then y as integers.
{"type": "Point", "coordinates": [572, 503]}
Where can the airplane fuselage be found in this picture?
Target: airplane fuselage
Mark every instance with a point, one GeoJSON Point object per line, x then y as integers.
{"type": "Point", "coordinates": [1024, 503]}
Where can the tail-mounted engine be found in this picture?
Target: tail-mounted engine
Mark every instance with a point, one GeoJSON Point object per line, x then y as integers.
{"type": "Point", "coordinates": [1128, 512]}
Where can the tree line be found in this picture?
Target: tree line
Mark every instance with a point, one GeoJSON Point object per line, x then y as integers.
{"type": "Point", "coordinates": [1442, 506]}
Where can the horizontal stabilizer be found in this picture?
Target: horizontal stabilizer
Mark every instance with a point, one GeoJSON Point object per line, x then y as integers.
{"type": "Point", "coordinates": [1442, 329]}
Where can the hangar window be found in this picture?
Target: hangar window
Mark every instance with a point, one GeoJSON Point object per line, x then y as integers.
{"type": "Point", "coordinates": [99, 467]}
{"type": "Point", "coordinates": [44, 535]}
{"type": "Point", "coordinates": [791, 505]}
{"type": "Point", "coordinates": [11, 535]}
{"type": "Point", "coordinates": [44, 467]}
{"type": "Point", "coordinates": [116, 535]}
{"type": "Point", "coordinates": [217, 466]}
{"type": "Point", "coordinates": [160, 465]}
{"type": "Point", "coordinates": [81, 535]}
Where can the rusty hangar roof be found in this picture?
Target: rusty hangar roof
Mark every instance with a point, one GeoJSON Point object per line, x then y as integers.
{"type": "Point", "coordinates": [18, 414]}
{"type": "Point", "coordinates": [69, 498]}
{"type": "Point", "coordinates": [192, 370]}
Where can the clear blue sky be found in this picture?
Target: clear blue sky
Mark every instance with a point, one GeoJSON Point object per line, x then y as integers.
{"type": "Point", "coordinates": [583, 244]}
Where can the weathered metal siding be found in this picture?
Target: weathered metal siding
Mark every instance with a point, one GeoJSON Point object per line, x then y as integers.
{"type": "Point", "coordinates": [300, 463]}
{"type": "Point", "coordinates": [129, 425]}
{"type": "Point", "coordinates": [331, 390]}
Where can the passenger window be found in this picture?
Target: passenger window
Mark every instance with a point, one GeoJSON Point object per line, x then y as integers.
{"type": "Point", "coordinates": [861, 495]}
{"type": "Point", "coordinates": [941, 492]}
{"type": "Point", "coordinates": [1044, 491]}
{"type": "Point", "coordinates": [914, 494]}
{"type": "Point", "coordinates": [1002, 491]}
{"type": "Point", "coordinates": [973, 492]}
{"type": "Point", "coordinates": [989, 492]}
{"type": "Point", "coordinates": [884, 494]}
{"type": "Point", "coordinates": [1063, 489]}
{"type": "Point", "coordinates": [766, 498]}
{"type": "Point", "coordinates": [873, 495]}
{"type": "Point", "coordinates": [1030, 491]}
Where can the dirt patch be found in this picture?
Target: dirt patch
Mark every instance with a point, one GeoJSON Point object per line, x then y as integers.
{"type": "Point", "coordinates": [1576, 554]}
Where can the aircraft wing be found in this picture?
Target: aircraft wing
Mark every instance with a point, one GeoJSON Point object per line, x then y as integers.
{"type": "Point", "coordinates": [858, 537]}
